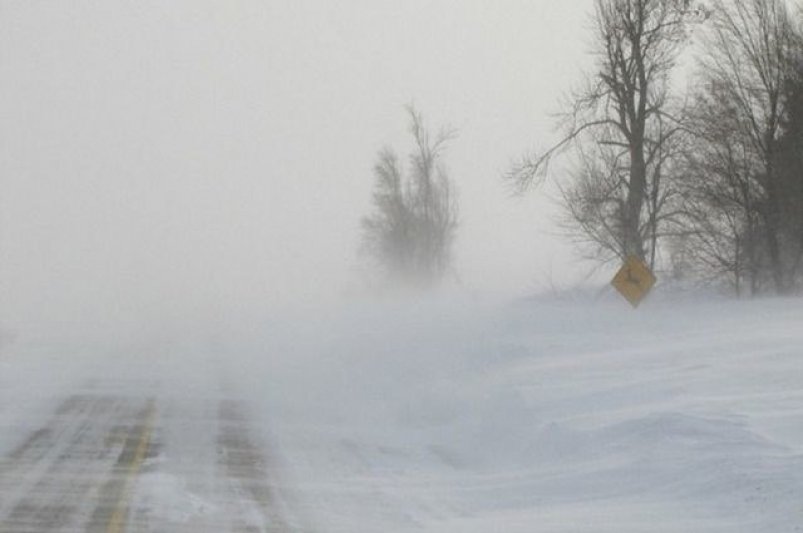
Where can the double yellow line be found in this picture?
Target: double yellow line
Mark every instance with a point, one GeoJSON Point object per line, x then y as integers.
{"type": "Point", "coordinates": [118, 518]}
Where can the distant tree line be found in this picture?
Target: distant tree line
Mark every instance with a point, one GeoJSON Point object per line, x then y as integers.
{"type": "Point", "coordinates": [705, 183]}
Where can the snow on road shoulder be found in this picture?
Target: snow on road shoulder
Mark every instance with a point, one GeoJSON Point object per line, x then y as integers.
{"type": "Point", "coordinates": [539, 416]}
{"type": "Point", "coordinates": [34, 374]}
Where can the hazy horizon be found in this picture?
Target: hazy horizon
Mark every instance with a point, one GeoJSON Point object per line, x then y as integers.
{"type": "Point", "coordinates": [162, 157]}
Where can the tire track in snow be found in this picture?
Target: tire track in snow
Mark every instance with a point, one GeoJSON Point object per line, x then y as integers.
{"type": "Point", "coordinates": [248, 471]}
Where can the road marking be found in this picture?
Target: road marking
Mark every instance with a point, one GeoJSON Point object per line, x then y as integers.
{"type": "Point", "coordinates": [117, 520]}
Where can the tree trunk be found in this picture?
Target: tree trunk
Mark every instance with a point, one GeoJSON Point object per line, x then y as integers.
{"type": "Point", "coordinates": [633, 241]}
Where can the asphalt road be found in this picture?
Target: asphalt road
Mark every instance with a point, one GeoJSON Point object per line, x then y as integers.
{"type": "Point", "coordinates": [107, 463]}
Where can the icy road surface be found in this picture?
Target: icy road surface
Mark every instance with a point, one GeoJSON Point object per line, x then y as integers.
{"type": "Point", "coordinates": [125, 447]}
{"type": "Point", "coordinates": [548, 415]}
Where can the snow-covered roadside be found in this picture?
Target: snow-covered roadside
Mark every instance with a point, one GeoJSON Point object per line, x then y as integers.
{"type": "Point", "coordinates": [42, 364]}
{"type": "Point", "coordinates": [543, 415]}
{"type": "Point", "coordinates": [33, 373]}
{"type": "Point", "coordinates": [539, 416]}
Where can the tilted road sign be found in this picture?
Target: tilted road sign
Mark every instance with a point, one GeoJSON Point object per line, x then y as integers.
{"type": "Point", "coordinates": [634, 280]}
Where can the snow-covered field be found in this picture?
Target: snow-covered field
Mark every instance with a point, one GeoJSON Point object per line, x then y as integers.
{"type": "Point", "coordinates": [543, 415]}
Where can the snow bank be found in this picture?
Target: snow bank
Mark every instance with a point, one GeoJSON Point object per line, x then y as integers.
{"type": "Point", "coordinates": [543, 415]}
{"type": "Point", "coordinates": [552, 414]}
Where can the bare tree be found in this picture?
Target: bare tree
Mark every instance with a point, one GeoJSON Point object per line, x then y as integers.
{"type": "Point", "coordinates": [740, 112]}
{"type": "Point", "coordinates": [595, 201]}
{"type": "Point", "coordinates": [624, 114]}
{"type": "Point", "coordinates": [789, 162]}
{"type": "Point", "coordinates": [719, 223]}
{"type": "Point", "coordinates": [411, 232]}
{"type": "Point", "coordinates": [388, 233]}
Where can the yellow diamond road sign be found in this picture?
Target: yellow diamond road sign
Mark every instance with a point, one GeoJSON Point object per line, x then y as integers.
{"type": "Point", "coordinates": [634, 280]}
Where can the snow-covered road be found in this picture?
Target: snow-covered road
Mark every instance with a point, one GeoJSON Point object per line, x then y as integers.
{"type": "Point", "coordinates": [541, 416]}
{"type": "Point", "coordinates": [128, 446]}
{"type": "Point", "coordinates": [105, 463]}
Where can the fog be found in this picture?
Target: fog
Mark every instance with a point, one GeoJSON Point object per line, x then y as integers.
{"type": "Point", "coordinates": [163, 159]}
{"type": "Point", "coordinates": [188, 338]}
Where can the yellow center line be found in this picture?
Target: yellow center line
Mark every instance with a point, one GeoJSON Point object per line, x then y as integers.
{"type": "Point", "coordinates": [117, 520]}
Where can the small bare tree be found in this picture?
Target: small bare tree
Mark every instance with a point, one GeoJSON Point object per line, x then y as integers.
{"type": "Point", "coordinates": [623, 119]}
{"type": "Point", "coordinates": [388, 233]}
{"type": "Point", "coordinates": [411, 232]}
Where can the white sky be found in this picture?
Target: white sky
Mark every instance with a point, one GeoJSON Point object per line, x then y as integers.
{"type": "Point", "coordinates": [155, 154]}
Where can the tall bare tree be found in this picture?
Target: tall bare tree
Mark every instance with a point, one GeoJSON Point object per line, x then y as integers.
{"type": "Point", "coordinates": [719, 226]}
{"type": "Point", "coordinates": [623, 114]}
{"type": "Point", "coordinates": [748, 60]}
{"type": "Point", "coordinates": [411, 231]}
{"type": "Point", "coordinates": [790, 171]}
